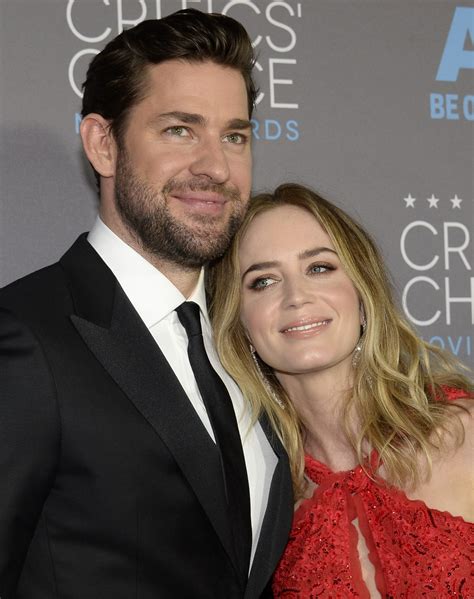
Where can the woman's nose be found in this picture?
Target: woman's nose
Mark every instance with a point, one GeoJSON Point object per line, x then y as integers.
{"type": "Point", "coordinates": [297, 292]}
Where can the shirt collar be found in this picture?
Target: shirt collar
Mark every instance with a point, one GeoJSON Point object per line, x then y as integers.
{"type": "Point", "coordinates": [152, 294]}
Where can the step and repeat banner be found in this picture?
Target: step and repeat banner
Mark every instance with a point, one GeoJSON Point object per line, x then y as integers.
{"type": "Point", "coordinates": [370, 102]}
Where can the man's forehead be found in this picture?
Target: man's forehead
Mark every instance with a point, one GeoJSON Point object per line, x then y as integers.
{"type": "Point", "coordinates": [195, 88]}
{"type": "Point", "coordinates": [179, 68]}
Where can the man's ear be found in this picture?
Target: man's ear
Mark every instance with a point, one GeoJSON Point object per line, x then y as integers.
{"type": "Point", "coordinates": [99, 144]}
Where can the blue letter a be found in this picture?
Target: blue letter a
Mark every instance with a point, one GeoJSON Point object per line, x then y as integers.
{"type": "Point", "coordinates": [454, 56]}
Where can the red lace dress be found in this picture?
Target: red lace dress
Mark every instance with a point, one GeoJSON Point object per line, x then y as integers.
{"type": "Point", "coordinates": [413, 550]}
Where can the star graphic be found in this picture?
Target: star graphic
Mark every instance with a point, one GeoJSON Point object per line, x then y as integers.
{"type": "Point", "coordinates": [456, 202]}
{"type": "Point", "coordinates": [410, 201]}
{"type": "Point", "coordinates": [432, 201]}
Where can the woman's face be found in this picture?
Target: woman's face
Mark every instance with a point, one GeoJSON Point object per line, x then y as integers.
{"type": "Point", "coordinates": [299, 307]}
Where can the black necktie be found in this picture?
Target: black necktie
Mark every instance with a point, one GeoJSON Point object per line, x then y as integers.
{"type": "Point", "coordinates": [224, 424]}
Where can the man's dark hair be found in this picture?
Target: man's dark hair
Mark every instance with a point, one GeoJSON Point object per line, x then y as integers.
{"type": "Point", "coordinates": [116, 78]}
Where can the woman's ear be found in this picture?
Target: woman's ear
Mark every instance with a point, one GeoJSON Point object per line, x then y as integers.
{"type": "Point", "coordinates": [247, 336]}
{"type": "Point", "coordinates": [99, 144]}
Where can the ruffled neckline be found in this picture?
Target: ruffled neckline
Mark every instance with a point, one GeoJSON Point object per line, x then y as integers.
{"type": "Point", "coordinates": [356, 479]}
{"type": "Point", "coordinates": [319, 472]}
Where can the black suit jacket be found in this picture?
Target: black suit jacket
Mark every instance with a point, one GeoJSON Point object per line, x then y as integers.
{"type": "Point", "coordinates": [109, 481]}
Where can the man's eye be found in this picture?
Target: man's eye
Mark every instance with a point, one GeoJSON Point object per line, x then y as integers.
{"type": "Point", "coordinates": [236, 138]}
{"type": "Point", "coordinates": [177, 130]}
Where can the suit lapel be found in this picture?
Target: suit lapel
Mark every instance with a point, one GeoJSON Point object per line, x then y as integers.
{"type": "Point", "coordinates": [118, 338]}
{"type": "Point", "coordinates": [277, 520]}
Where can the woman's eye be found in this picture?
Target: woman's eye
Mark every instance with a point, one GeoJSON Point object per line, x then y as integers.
{"type": "Point", "coordinates": [318, 269]}
{"type": "Point", "coordinates": [262, 283]}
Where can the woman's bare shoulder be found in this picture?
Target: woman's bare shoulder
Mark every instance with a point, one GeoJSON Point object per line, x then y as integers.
{"type": "Point", "coordinates": [451, 485]}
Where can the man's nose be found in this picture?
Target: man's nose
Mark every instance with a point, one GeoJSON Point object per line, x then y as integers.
{"type": "Point", "coordinates": [211, 161]}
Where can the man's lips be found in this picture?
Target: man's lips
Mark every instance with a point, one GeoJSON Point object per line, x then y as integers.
{"type": "Point", "coordinates": [206, 203]}
{"type": "Point", "coordinates": [203, 197]}
{"type": "Point", "coordinates": [305, 327]}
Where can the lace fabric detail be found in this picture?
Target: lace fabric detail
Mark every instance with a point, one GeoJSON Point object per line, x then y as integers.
{"type": "Point", "coordinates": [416, 551]}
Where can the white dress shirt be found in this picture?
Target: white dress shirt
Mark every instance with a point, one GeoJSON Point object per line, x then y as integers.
{"type": "Point", "coordinates": [155, 299]}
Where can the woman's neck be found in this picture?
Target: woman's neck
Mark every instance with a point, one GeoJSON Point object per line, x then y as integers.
{"type": "Point", "coordinates": [319, 399]}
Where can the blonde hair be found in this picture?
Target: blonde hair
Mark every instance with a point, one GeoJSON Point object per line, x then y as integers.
{"type": "Point", "coordinates": [399, 380]}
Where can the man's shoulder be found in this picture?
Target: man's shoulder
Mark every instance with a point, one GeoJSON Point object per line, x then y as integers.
{"type": "Point", "coordinates": [32, 282]}
{"type": "Point", "coordinates": [44, 287]}
{"type": "Point", "coordinates": [79, 282]}
{"type": "Point", "coordinates": [35, 292]}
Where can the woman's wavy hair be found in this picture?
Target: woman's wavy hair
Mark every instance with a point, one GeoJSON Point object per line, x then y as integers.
{"type": "Point", "coordinates": [399, 380]}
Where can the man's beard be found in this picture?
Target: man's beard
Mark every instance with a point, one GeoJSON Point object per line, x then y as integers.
{"type": "Point", "coordinates": [145, 213]}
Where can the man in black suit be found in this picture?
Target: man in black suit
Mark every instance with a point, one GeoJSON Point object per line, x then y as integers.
{"type": "Point", "coordinates": [117, 480]}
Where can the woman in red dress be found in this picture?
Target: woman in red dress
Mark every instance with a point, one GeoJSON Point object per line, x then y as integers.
{"type": "Point", "coordinates": [377, 423]}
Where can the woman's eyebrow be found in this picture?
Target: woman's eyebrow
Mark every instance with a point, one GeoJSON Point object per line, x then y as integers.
{"type": "Point", "coordinates": [261, 266]}
{"type": "Point", "coordinates": [314, 252]}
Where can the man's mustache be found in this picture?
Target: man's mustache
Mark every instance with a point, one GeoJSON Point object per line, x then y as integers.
{"type": "Point", "coordinates": [198, 184]}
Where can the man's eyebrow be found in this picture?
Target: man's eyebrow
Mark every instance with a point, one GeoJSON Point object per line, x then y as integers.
{"type": "Point", "coordinates": [301, 256]}
{"type": "Point", "coordinates": [191, 118]}
{"type": "Point", "coordinates": [239, 124]}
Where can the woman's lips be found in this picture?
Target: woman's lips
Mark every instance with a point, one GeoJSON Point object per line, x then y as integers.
{"type": "Point", "coordinates": [305, 328]}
